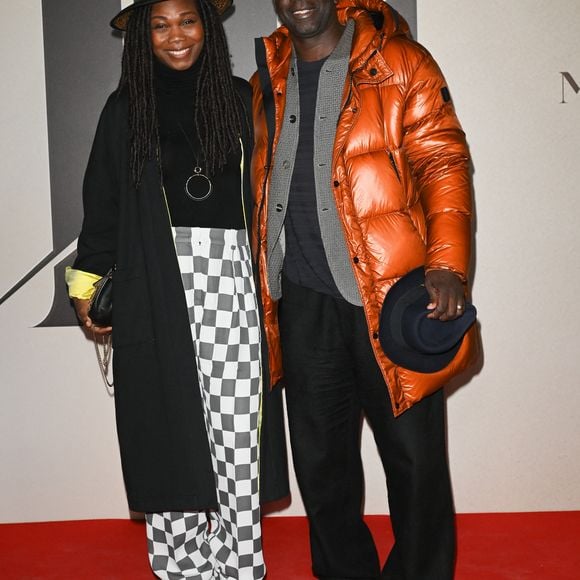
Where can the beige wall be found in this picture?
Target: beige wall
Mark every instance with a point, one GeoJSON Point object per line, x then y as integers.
{"type": "Point", "coordinates": [514, 439]}
{"type": "Point", "coordinates": [514, 431]}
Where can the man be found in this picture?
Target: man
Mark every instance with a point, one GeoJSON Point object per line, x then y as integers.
{"type": "Point", "coordinates": [361, 175]}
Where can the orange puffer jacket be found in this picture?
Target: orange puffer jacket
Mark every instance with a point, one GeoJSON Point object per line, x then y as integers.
{"type": "Point", "coordinates": [400, 177]}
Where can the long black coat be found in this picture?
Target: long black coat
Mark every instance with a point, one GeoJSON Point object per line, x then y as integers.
{"type": "Point", "coordinates": [163, 441]}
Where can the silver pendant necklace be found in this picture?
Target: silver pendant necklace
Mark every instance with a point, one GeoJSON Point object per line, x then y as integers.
{"type": "Point", "coordinates": [198, 186]}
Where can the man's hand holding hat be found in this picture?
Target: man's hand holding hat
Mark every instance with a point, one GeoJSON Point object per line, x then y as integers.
{"type": "Point", "coordinates": [447, 295]}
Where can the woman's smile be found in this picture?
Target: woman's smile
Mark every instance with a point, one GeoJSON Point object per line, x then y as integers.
{"type": "Point", "coordinates": [179, 53]}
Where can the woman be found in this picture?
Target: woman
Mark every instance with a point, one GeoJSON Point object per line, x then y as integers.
{"type": "Point", "coordinates": [167, 202]}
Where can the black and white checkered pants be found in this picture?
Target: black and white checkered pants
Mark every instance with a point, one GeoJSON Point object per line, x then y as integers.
{"type": "Point", "coordinates": [216, 270]}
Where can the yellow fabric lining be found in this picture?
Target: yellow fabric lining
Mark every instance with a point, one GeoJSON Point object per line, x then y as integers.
{"type": "Point", "coordinates": [80, 284]}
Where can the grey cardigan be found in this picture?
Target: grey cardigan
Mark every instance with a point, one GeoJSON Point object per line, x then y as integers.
{"type": "Point", "coordinates": [328, 103]}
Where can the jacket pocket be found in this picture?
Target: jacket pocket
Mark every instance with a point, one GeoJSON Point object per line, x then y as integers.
{"type": "Point", "coordinates": [394, 165]}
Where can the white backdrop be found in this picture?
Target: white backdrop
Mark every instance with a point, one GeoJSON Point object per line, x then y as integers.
{"type": "Point", "coordinates": [514, 438]}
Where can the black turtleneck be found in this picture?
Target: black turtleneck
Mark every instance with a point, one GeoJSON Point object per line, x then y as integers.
{"type": "Point", "coordinates": [180, 153]}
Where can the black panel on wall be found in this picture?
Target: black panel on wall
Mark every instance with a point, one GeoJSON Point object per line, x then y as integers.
{"type": "Point", "coordinates": [82, 62]}
{"type": "Point", "coordinates": [248, 20]}
{"type": "Point", "coordinates": [407, 9]}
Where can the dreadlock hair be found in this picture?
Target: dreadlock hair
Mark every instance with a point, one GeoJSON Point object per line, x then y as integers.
{"type": "Point", "coordinates": [216, 113]}
{"type": "Point", "coordinates": [137, 79]}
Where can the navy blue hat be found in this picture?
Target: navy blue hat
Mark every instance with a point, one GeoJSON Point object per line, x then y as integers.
{"type": "Point", "coordinates": [412, 340]}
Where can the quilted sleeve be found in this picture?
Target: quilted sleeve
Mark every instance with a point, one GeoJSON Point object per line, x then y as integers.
{"type": "Point", "coordinates": [438, 154]}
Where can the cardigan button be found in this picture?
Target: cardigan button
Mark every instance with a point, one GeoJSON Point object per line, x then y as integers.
{"type": "Point", "coordinates": [292, 118]}
{"type": "Point", "coordinates": [336, 183]}
{"type": "Point", "coordinates": [355, 260]}
{"type": "Point", "coordinates": [285, 164]}
{"type": "Point", "coordinates": [375, 335]}
{"type": "Point", "coordinates": [279, 207]}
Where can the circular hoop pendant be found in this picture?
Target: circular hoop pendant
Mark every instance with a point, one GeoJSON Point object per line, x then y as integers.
{"type": "Point", "coordinates": [198, 186]}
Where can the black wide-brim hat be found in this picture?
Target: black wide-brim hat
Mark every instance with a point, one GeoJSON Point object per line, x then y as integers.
{"type": "Point", "coordinates": [412, 340]}
{"type": "Point", "coordinates": [120, 21]}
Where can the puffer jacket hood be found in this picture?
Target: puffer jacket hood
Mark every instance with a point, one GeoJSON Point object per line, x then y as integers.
{"type": "Point", "coordinates": [385, 20]}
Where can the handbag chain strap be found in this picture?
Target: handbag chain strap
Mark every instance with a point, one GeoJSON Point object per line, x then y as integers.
{"type": "Point", "coordinates": [104, 350]}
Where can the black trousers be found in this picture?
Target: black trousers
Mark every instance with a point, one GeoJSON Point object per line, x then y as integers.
{"type": "Point", "coordinates": [332, 378]}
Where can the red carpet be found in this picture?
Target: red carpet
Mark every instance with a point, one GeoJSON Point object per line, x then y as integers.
{"type": "Point", "coordinates": [532, 546]}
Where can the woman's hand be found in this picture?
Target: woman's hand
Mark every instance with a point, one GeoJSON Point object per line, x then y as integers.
{"type": "Point", "coordinates": [82, 310]}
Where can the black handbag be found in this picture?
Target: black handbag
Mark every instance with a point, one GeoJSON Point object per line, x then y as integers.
{"type": "Point", "coordinates": [101, 305]}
